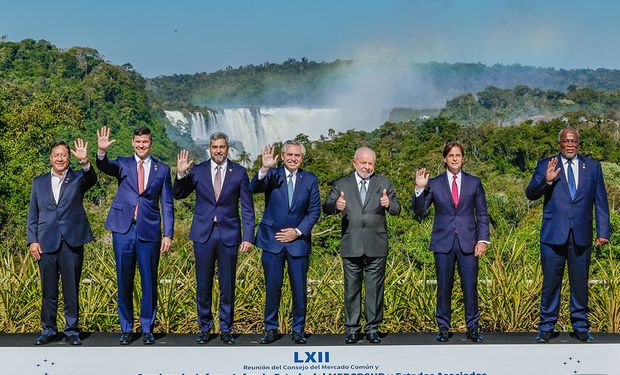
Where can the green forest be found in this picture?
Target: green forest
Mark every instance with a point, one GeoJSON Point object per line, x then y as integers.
{"type": "Point", "coordinates": [48, 94]}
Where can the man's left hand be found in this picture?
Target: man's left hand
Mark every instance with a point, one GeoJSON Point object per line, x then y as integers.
{"type": "Point", "coordinates": [385, 200]}
{"type": "Point", "coordinates": [286, 235]}
{"type": "Point", "coordinates": [245, 246]}
{"type": "Point", "coordinates": [601, 241]}
{"type": "Point", "coordinates": [481, 248]}
{"type": "Point", "coordinates": [166, 243]}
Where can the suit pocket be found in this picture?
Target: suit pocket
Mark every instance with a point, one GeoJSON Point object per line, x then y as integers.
{"type": "Point", "coordinates": [267, 222]}
{"type": "Point", "coordinates": [118, 206]}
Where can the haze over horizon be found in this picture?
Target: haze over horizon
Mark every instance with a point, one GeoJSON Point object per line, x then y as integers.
{"type": "Point", "coordinates": [189, 36]}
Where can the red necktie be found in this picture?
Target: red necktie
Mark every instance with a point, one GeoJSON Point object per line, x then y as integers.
{"type": "Point", "coordinates": [140, 183]}
{"type": "Point", "coordinates": [455, 192]}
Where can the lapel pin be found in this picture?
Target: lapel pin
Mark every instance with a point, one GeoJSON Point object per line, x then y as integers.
{"type": "Point", "coordinates": [229, 169]}
{"type": "Point", "coordinates": [155, 167]}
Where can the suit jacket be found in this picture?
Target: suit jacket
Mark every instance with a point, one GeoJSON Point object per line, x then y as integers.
{"type": "Point", "coordinates": [235, 189]}
{"type": "Point", "coordinates": [364, 227]}
{"type": "Point", "coordinates": [156, 190]}
{"type": "Point", "coordinates": [303, 213]}
{"type": "Point", "coordinates": [469, 219]}
{"type": "Point", "coordinates": [49, 222]}
{"type": "Point", "coordinates": [561, 213]}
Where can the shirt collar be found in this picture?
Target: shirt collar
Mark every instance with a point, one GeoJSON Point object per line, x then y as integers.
{"type": "Point", "coordinates": [62, 177]}
{"type": "Point", "coordinates": [146, 160]}
{"type": "Point", "coordinates": [223, 165]}
{"type": "Point", "coordinates": [458, 175]}
{"type": "Point", "coordinates": [359, 178]}
{"type": "Point", "coordinates": [287, 173]}
{"type": "Point", "coordinates": [565, 160]}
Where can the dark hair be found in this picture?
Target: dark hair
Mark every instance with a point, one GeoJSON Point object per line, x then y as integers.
{"type": "Point", "coordinates": [143, 130]}
{"type": "Point", "coordinates": [450, 145]}
{"type": "Point", "coordinates": [218, 135]}
{"type": "Point", "coordinates": [59, 143]}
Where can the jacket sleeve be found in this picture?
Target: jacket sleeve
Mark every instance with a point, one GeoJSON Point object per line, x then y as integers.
{"type": "Point", "coordinates": [538, 184]}
{"type": "Point", "coordinates": [329, 206]}
{"type": "Point", "coordinates": [107, 166]}
{"type": "Point", "coordinates": [183, 187]}
{"type": "Point", "coordinates": [314, 210]}
{"type": "Point", "coordinates": [167, 206]}
{"type": "Point", "coordinates": [482, 215]}
{"type": "Point", "coordinates": [601, 206]}
{"type": "Point", "coordinates": [89, 179]}
{"type": "Point", "coordinates": [247, 209]}
{"type": "Point", "coordinates": [33, 217]}
{"type": "Point", "coordinates": [394, 208]}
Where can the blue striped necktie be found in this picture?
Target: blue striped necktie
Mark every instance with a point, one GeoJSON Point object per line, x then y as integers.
{"type": "Point", "coordinates": [572, 186]}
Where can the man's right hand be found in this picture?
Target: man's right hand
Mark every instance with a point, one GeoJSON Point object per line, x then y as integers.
{"type": "Point", "coordinates": [421, 178]}
{"type": "Point", "coordinates": [183, 162]}
{"type": "Point", "coordinates": [552, 171]}
{"type": "Point", "coordinates": [341, 203]}
{"type": "Point", "coordinates": [103, 139]}
{"type": "Point", "coordinates": [269, 159]}
{"type": "Point", "coordinates": [35, 250]}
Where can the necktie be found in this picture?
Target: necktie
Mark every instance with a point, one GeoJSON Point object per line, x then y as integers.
{"type": "Point", "coordinates": [572, 187]}
{"type": "Point", "coordinates": [455, 192]}
{"type": "Point", "coordinates": [140, 183]}
{"type": "Point", "coordinates": [217, 183]}
{"type": "Point", "coordinates": [363, 191]}
{"type": "Point", "coordinates": [290, 190]}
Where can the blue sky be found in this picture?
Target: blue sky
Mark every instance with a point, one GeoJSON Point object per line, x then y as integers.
{"type": "Point", "coordinates": [187, 36]}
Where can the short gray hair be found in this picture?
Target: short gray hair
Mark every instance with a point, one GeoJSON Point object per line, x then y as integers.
{"type": "Point", "coordinates": [566, 129]}
{"type": "Point", "coordinates": [219, 135]}
{"type": "Point", "coordinates": [363, 150]}
{"type": "Point", "coordinates": [294, 143]}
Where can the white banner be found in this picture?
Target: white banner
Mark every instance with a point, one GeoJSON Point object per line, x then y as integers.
{"type": "Point", "coordinates": [473, 359]}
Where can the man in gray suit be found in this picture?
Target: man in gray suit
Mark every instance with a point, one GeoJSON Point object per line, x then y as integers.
{"type": "Point", "coordinates": [363, 198]}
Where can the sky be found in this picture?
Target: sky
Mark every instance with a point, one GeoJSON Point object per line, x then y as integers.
{"type": "Point", "coordinates": [189, 36]}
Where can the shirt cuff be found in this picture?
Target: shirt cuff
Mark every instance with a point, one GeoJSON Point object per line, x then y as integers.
{"type": "Point", "coordinates": [485, 241]}
{"type": "Point", "coordinates": [418, 191]}
{"type": "Point", "coordinates": [262, 174]}
{"type": "Point", "coordinates": [299, 234]}
{"type": "Point", "coordinates": [100, 156]}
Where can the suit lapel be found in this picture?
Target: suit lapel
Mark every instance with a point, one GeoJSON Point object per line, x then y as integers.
{"type": "Point", "coordinates": [152, 172]}
{"type": "Point", "coordinates": [209, 180]}
{"type": "Point", "coordinates": [581, 170]}
{"type": "Point", "coordinates": [356, 189]}
{"type": "Point", "coordinates": [372, 183]}
{"type": "Point", "coordinates": [447, 188]}
{"type": "Point", "coordinates": [298, 181]}
{"type": "Point", "coordinates": [227, 178]}
{"type": "Point", "coordinates": [564, 181]}
{"type": "Point", "coordinates": [64, 184]}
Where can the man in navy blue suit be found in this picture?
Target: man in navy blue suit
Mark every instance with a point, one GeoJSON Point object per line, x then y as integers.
{"type": "Point", "coordinates": [57, 231]}
{"type": "Point", "coordinates": [460, 235]}
{"type": "Point", "coordinates": [135, 221]}
{"type": "Point", "coordinates": [292, 207]}
{"type": "Point", "coordinates": [572, 185]}
{"type": "Point", "coordinates": [216, 231]}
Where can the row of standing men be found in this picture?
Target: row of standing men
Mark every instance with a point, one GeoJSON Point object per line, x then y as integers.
{"type": "Point", "coordinates": [58, 229]}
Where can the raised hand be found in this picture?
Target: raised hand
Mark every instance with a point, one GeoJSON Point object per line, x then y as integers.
{"type": "Point", "coordinates": [341, 203]}
{"type": "Point", "coordinates": [552, 171]}
{"type": "Point", "coordinates": [421, 178]}
{"type": "Point", "coordinates": [80, 150]}
{"type": "Point", "coordinates": [183, 162]}
{"type": "Point", "coordinates": [269, 160]}
{"type": "Point", "coordinates": [103, 139]}
{"type": "Point", "coordinates": [385, 200]}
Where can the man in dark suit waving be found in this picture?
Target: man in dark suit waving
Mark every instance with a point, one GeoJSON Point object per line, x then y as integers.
{"type": "Point", "coordinates": [292, 207]}
{"type": "Point", "coordinates": [363, 198]}
{"type": "Point", "coordinates": [136, 225]}
{"type": "Point", "coordinates": [460, 235]}
{"type": "Point", "coordinates": [58, 229]}
{"type": "Point", "coordinates": [220, 186]}
{"type": "Point", "coordinates": [572, 185]}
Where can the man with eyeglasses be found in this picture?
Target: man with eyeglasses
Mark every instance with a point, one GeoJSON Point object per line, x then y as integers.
{"type": "Point", "coordinates": [572, 185]}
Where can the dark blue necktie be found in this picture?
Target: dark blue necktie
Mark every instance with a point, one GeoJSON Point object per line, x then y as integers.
{"type": "Point", "coordinates": [290, 190]}
{"type": "Point", "coordinates": [572, 187]}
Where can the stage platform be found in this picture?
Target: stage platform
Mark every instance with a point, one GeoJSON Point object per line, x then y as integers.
{"type": "Point", "coordinates": [172, 340]}
{"type": "Point", "coordinates": [398, 354]}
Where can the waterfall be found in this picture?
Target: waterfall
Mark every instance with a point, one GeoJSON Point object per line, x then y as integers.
{"type": "Point", "coordinates": [249, 129]}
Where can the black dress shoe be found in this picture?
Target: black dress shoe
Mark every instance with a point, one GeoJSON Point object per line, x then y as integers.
{"type": "Point", "coordinates": [544, 336]}
{"type": "Point", "coordinates": [582, 336]}
{"type": "Point", "coordinates": [269, 336]}
{"type": "Point", "coordinates": [443, 335]}
{"type": "Point", "coordinates": [473, 335]}
{"type": "Point", "coordinates": [125, 338]}
{"type": "Point", "coordinates": [373, 338]}
{"type": "Point", "coordinates": [299, 338]}
{"type": "Point", "coordinates": [227, 338]}
{"type": "Point", "coordinates": [202, 338]}
{"type": "Point", "coordinates": [43, 339]}
{"type": "Point", "coordinates": [148, 338]}
{"type": "Point", "coordinates": [73, 340]}
{"type": "Point", "coordinates": [351, 338]}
